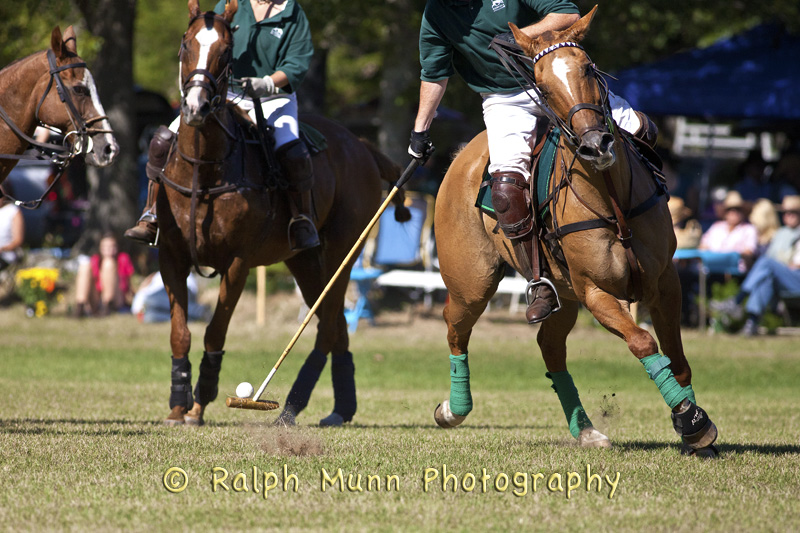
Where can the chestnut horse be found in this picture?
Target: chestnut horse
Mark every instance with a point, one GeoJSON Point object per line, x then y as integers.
{"type": "Point", "coordinates": [232, 222]}
{"type": "Point", "coordinates": [53, 87]}
{"type": "Point", "coordinates": [595, 270]}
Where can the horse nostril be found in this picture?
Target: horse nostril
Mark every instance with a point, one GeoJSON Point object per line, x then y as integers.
{"type": "Point", "coordinates": [205, 108]}
{"type": "Point", "coordinates": [586, 151]}
{"type": "Point", "coordinates": [606, 142]}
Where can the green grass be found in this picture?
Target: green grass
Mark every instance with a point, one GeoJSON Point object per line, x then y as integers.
{"type": "Point", "coordinates": [82, 446]}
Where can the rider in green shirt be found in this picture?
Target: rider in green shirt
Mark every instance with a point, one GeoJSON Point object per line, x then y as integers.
{"type": "Point", "coordinates": [272, 50]}
{"type": "Point", "coordinates": [454, 37]}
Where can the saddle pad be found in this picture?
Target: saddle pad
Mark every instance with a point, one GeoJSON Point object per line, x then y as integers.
{"type": "Point", "coordinates": [314, 139]}
{"type": "Point", "coordinates": [542, 174]}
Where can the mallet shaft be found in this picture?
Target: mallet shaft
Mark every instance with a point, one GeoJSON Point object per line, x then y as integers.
{"type": "Point", "coordinates": [412, 166]}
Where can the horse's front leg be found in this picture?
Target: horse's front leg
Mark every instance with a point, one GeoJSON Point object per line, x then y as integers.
{"type": "Point", "coordinates": [690, 421]}
{"type": "Point", "coordinates": [552, 340]}
{"type": "Point", "coordinates": [180, 338]}
{"type": "Point", "coordinates": [205, 392]}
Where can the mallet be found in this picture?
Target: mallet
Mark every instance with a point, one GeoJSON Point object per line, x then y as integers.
{"type": "Point", "coordinates": [264, 405]}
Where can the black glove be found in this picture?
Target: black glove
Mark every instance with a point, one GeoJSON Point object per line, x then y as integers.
{"type": "Point", "coordinates": [421, 146]}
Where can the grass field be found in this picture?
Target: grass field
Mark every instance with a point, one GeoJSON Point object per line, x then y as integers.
{"type": "Point", "coordinates": [82, 446]}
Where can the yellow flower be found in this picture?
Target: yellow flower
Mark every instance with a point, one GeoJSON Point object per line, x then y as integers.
{"type": "Point", "coordinates": [41, 309]}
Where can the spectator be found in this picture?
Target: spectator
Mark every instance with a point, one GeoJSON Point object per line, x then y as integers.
{"type": "Point", "coordinates": [733, 233]}
{"type": "Point", "coordinates": [764, 216]}
{"type": "Point", "coordinates": [151, 302]}
{"type": "Point", "coordinates": [103, 282]}
{"type": "Point", "coordinates": [12, 228]}
{"type": "Point", "coordinates": [778, 269]}
{"type": "Point", "coordinates": [687, 230]}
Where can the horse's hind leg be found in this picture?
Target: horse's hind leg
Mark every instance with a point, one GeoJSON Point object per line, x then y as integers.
{"type": "Point", "coordinates": [665, 313]}
{"type": "Point", "coordinates": [470, 290]}
{"type": "Point", "coordinates": [552, 339]}
{"type": "Point", "coordinates": [205, 391]}
{"type": "Point", "coordinates": [690, 421]}
{"type": "Point", "coordinates": [331, 337]}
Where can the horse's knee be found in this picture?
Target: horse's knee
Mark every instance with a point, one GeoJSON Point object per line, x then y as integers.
{"type": "Point", "coordinates": [642, 344]}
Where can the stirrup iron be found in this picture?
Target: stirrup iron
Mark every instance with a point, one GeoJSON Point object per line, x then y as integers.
{"type": "Point", "coordinates": [532, 284]}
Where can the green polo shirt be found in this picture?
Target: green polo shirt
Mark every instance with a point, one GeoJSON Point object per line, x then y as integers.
{"type": "Point", "coordinates": [282, 42]}
{"type": "Point", "coordinates": [455, 36]}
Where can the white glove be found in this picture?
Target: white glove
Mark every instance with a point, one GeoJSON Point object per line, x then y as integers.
{"type": "Point", "coordinates": [260, 87]}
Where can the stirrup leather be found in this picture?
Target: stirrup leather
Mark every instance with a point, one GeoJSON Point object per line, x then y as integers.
{"type": "Point", "coordinates": [532, 284]}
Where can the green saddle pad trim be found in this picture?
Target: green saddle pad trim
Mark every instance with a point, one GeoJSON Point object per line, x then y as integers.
{"type": "Point", "coordinates": [542, 177]}
{"type": "Point", "coordinates": [314, 139]}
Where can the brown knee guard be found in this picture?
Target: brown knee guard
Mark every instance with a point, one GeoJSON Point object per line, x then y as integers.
{"type": "Point", "coordinates": [647, 132]}
{"type": "Point", "coordinates": [511, 201]}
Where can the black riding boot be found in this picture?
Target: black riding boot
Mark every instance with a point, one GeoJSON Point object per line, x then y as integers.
{"type": "Point", "coordinates": [513, 209]}
{"type": "Point", "coordinates": [296, 162]}
{"type": "Point", "coordinates": [146, 228]}
{"type": "Point", "coordinates": [648, 131]}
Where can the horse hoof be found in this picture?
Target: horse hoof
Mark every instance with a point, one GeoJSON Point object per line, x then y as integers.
{"type": "Point", "coordinates": [694, 427]}
{"type": "Point", "coordinates": [591, 438]}
{"type": "Point", "coordinates": [445, 417]}
{"type": "Point", "coordinates": [285, 419]}
{"type": "Point", "coordinates": [332, 420]}
{"type": "Point", "coordinates": [709, 452]}
{"type": "Point", "coordinates": [176, 417]}
{"type": "Point", "coordinates": [195, 416]}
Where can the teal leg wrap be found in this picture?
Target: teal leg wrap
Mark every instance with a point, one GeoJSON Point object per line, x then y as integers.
{"type": "Point", "coordinates": [690, 394]}
{"type": "Point", "coordinates": [460, 395]}
{"type": "Point", "coordinates": [657, 367]}
{"type": "Point", "coordinates": [570, 402]}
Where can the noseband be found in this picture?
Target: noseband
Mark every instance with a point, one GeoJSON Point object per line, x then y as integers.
{"type": "Point", "coordinates": [62, 155]}
{"type": "Point", "coordinates": [208, 82]}
{"type": "Point", "coordinates": [520, 65]}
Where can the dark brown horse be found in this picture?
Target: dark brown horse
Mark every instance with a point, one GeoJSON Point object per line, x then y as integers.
{"type": "Point", "coordinates": [53, 87]}
{"type": "Point", "coordinates": [236, 223]}
{"type": "Point", "coordinates": [598, 177]}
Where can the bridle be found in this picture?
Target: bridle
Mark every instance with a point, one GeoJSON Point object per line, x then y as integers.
{"type": "Point", "coordinates": [208, 81]}
{"type": "Point", "coordinates": [514, 59]}
{"type": "Point", "coordinates": [61, 154]}
{"type": "Point", "coordinates": [521, 66]}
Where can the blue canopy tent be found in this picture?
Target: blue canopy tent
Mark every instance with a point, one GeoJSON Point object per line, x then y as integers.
{"type": "Point", "coordinates": [752, 75]}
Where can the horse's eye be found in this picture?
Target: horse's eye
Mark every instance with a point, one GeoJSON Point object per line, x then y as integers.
{"type": "Point", "coordinates": [81, 90]}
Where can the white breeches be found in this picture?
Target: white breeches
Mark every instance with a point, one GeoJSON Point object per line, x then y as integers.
{"type": "Point", "coordinates": [280, 112]}
{"type": "Point", "coordinates": [512, 120]}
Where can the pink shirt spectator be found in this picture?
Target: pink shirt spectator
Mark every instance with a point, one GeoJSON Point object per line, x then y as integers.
{"type": "Point", "coordinates": [124, 271]}
{"type": "Point", "coordinates": [743, 238]}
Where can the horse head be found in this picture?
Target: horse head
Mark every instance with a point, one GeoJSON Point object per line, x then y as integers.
{"type": "Point", "coordinates": [74, 107]}
{"type": "Point", "coordinates": [569, 84]}
{"type": "Point", "coordinates": [205, 62]}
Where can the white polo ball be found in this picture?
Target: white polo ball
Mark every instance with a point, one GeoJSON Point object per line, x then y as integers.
{"type": "Point", "coordinates": [244, 390]}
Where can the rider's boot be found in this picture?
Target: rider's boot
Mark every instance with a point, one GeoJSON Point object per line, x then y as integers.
{"type": "Point", "coordinates": [146, 228]}
{"type": "Point", "coordinates": [648, 131]}
{"type": "Point", "coordinates": [514, 216]}
{"type": "Point", "coordinates": [296, 162]}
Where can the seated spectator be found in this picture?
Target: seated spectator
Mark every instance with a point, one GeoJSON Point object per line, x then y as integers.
{"type": "Point", "coordinates": [733, 233]}
{"type": "Point", "coordinates": [151, 303]}
{"type": "Point", "coordinates": [778, 269]}
{"type": "Point", "coordinates": [103, 282]}
{"type": "Point", "coordinates": [687, 230]}
{"type": "Point", "coordinates": [12, 228]}
{"type": "Point", "coordinates": [764, 216]}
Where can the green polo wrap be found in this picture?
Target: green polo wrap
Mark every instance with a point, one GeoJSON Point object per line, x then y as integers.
{"type": "Point", "coordinates": [657, 367]}
{"type": "Point", "coordinates": [460, 395]}
{"type": "Point", "coordinates": [570, 402]}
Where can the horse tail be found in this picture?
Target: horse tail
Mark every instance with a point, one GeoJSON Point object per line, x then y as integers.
{"type": "Point", "coordinates": [390, 172]}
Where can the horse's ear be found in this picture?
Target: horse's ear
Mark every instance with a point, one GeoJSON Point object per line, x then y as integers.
{"type": "Point", "coordinates": [56, 41]}
{"type": "Point", "coordinates": [71, 40]}
{"type": "Point", "coordinates": [578, 31]}
{"type": "Point", "coordinates": [194, 9]}
{"type": "Point", "coordinates": [230, 10]}
{"type": "Point", "coordinates": [528, 45]}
